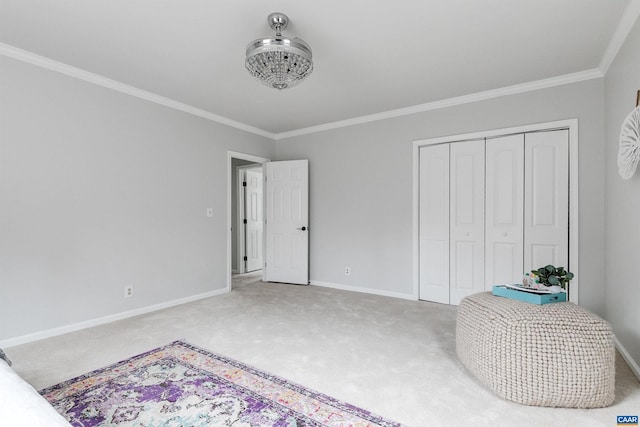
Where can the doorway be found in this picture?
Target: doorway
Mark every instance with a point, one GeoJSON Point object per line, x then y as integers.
{"type": "Point", "coordinates": [286, 218]}
{"type": "Point", "coordinates": [235, 162]}
{"type": "Point", "coordinates": [250, 220]}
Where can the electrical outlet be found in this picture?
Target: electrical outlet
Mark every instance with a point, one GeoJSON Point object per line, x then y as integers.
{"type": "Point", "coordinates": [128, 291]}
{"type": "Point", "coordinates": [209, 212]}
{"type": "Point", "coordinates": [347, 271]}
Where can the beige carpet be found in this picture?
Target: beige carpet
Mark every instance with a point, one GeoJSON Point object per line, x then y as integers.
{"type": "Point", "coordinates": [391, 356]}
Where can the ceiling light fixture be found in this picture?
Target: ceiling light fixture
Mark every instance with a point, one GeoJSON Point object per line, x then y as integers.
{"type": "Point", "coordinates": [279, 62]}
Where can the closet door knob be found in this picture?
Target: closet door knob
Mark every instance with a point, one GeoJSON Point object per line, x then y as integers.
{"type": "Point", "coordinates": [302, 228]}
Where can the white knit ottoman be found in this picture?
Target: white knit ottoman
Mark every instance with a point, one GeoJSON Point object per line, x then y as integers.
{"type": "Point", "coordinates": [556, 354]}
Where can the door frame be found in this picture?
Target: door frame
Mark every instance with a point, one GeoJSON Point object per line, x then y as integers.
{"type": "Point", "coordinates": [241, 196]}
{"type": "Point", "coordinates": [571, 125]}
{"type": "Point", "coordinates": [230, 156]}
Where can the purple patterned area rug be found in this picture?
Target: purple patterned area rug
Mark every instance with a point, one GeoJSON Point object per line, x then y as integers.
{"type": "Point", "coordinates": [183, 385]}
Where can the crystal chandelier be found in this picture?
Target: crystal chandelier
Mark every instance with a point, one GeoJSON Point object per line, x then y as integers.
{"type": "Point", "coordinates": [279, 62]}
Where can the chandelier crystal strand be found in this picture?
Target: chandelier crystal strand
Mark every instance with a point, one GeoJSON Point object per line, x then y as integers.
{"type": "Point", "coordinates": [279, 62]}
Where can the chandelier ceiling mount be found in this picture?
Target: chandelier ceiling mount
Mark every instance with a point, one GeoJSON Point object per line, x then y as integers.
{"type": "Point", "coordinates": [277, 61]}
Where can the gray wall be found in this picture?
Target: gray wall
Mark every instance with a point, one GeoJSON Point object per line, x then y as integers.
{"type": "Point", "coordinates": [99, 190]}
{"type": "Point", "coordinates": [622, 207]}
{"type": "Point", "coordinates": [361, 185]}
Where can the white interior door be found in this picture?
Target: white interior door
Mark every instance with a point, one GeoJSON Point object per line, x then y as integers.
{"type": "Point", "coordinates": [546, 206]}
{"type": "Point", "coordinates": [466, 220]}
{"type": "Point", "coordinates": [253, 219]}
{"type": "Point", "coordinates": [287, 222]}
{"type": "Point", "coordinates": [504, 250]}
{"type": "Point", "coordinates": [434, 223]}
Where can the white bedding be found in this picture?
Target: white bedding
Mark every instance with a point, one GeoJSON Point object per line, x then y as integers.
{"type": "Point", "coordinates": [22, 406]}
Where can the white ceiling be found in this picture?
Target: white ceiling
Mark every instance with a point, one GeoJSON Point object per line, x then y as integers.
{"type": "Point", "coordinates": [369, 57]}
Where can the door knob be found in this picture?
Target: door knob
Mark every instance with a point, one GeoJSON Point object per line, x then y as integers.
{"type": "Point", "coordinates": [302, 228]}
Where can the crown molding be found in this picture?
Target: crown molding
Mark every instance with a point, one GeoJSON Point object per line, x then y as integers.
{"type": "Point", "coordinates": [450, 102]}
{"type": "Point", "coordinates": [43, 62]}
{"type": "Point", "coordinates": [50, 64]}
{"type": "Point", "coordinates": [628, 20]}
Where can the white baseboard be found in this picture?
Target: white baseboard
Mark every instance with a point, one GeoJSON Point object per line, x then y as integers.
{"type": "Point", "coordinates": [363, 290]}
{"type": "Point", "coordinates": [635, 368]}
{"type": "Point", "coordinates": [11, 342]}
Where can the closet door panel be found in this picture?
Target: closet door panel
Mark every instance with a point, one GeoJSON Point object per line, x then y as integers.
{"type": "Point", "coordinates": [546, 199]}
{"type": "Point", "coordinates": [504, 249]}
{"type": "Point", "coordinates": [466, 222]}
{"type": "Point", "coordinates": [434, 223]}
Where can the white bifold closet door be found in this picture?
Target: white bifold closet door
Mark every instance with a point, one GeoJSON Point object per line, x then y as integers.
{"type": "Point", "coordinates": [504, 262]}
{"type": "Point", "coordinates": [466, 220]}
{"type": "Point", "coordinates": [546, 202]}
{"type": "Point", "coordinates": [434, 223]}
{"type": "Point", "coordinates": [491, 210]}
{"type": "Point", "coordinates": [451, 221]}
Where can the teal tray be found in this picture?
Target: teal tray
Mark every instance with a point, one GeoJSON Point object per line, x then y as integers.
{"type": "Point", "coordinates": [501, 291]}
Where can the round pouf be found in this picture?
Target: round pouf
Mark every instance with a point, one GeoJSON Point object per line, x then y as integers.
{"type": "Point", "coordinates": [558, 354]}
